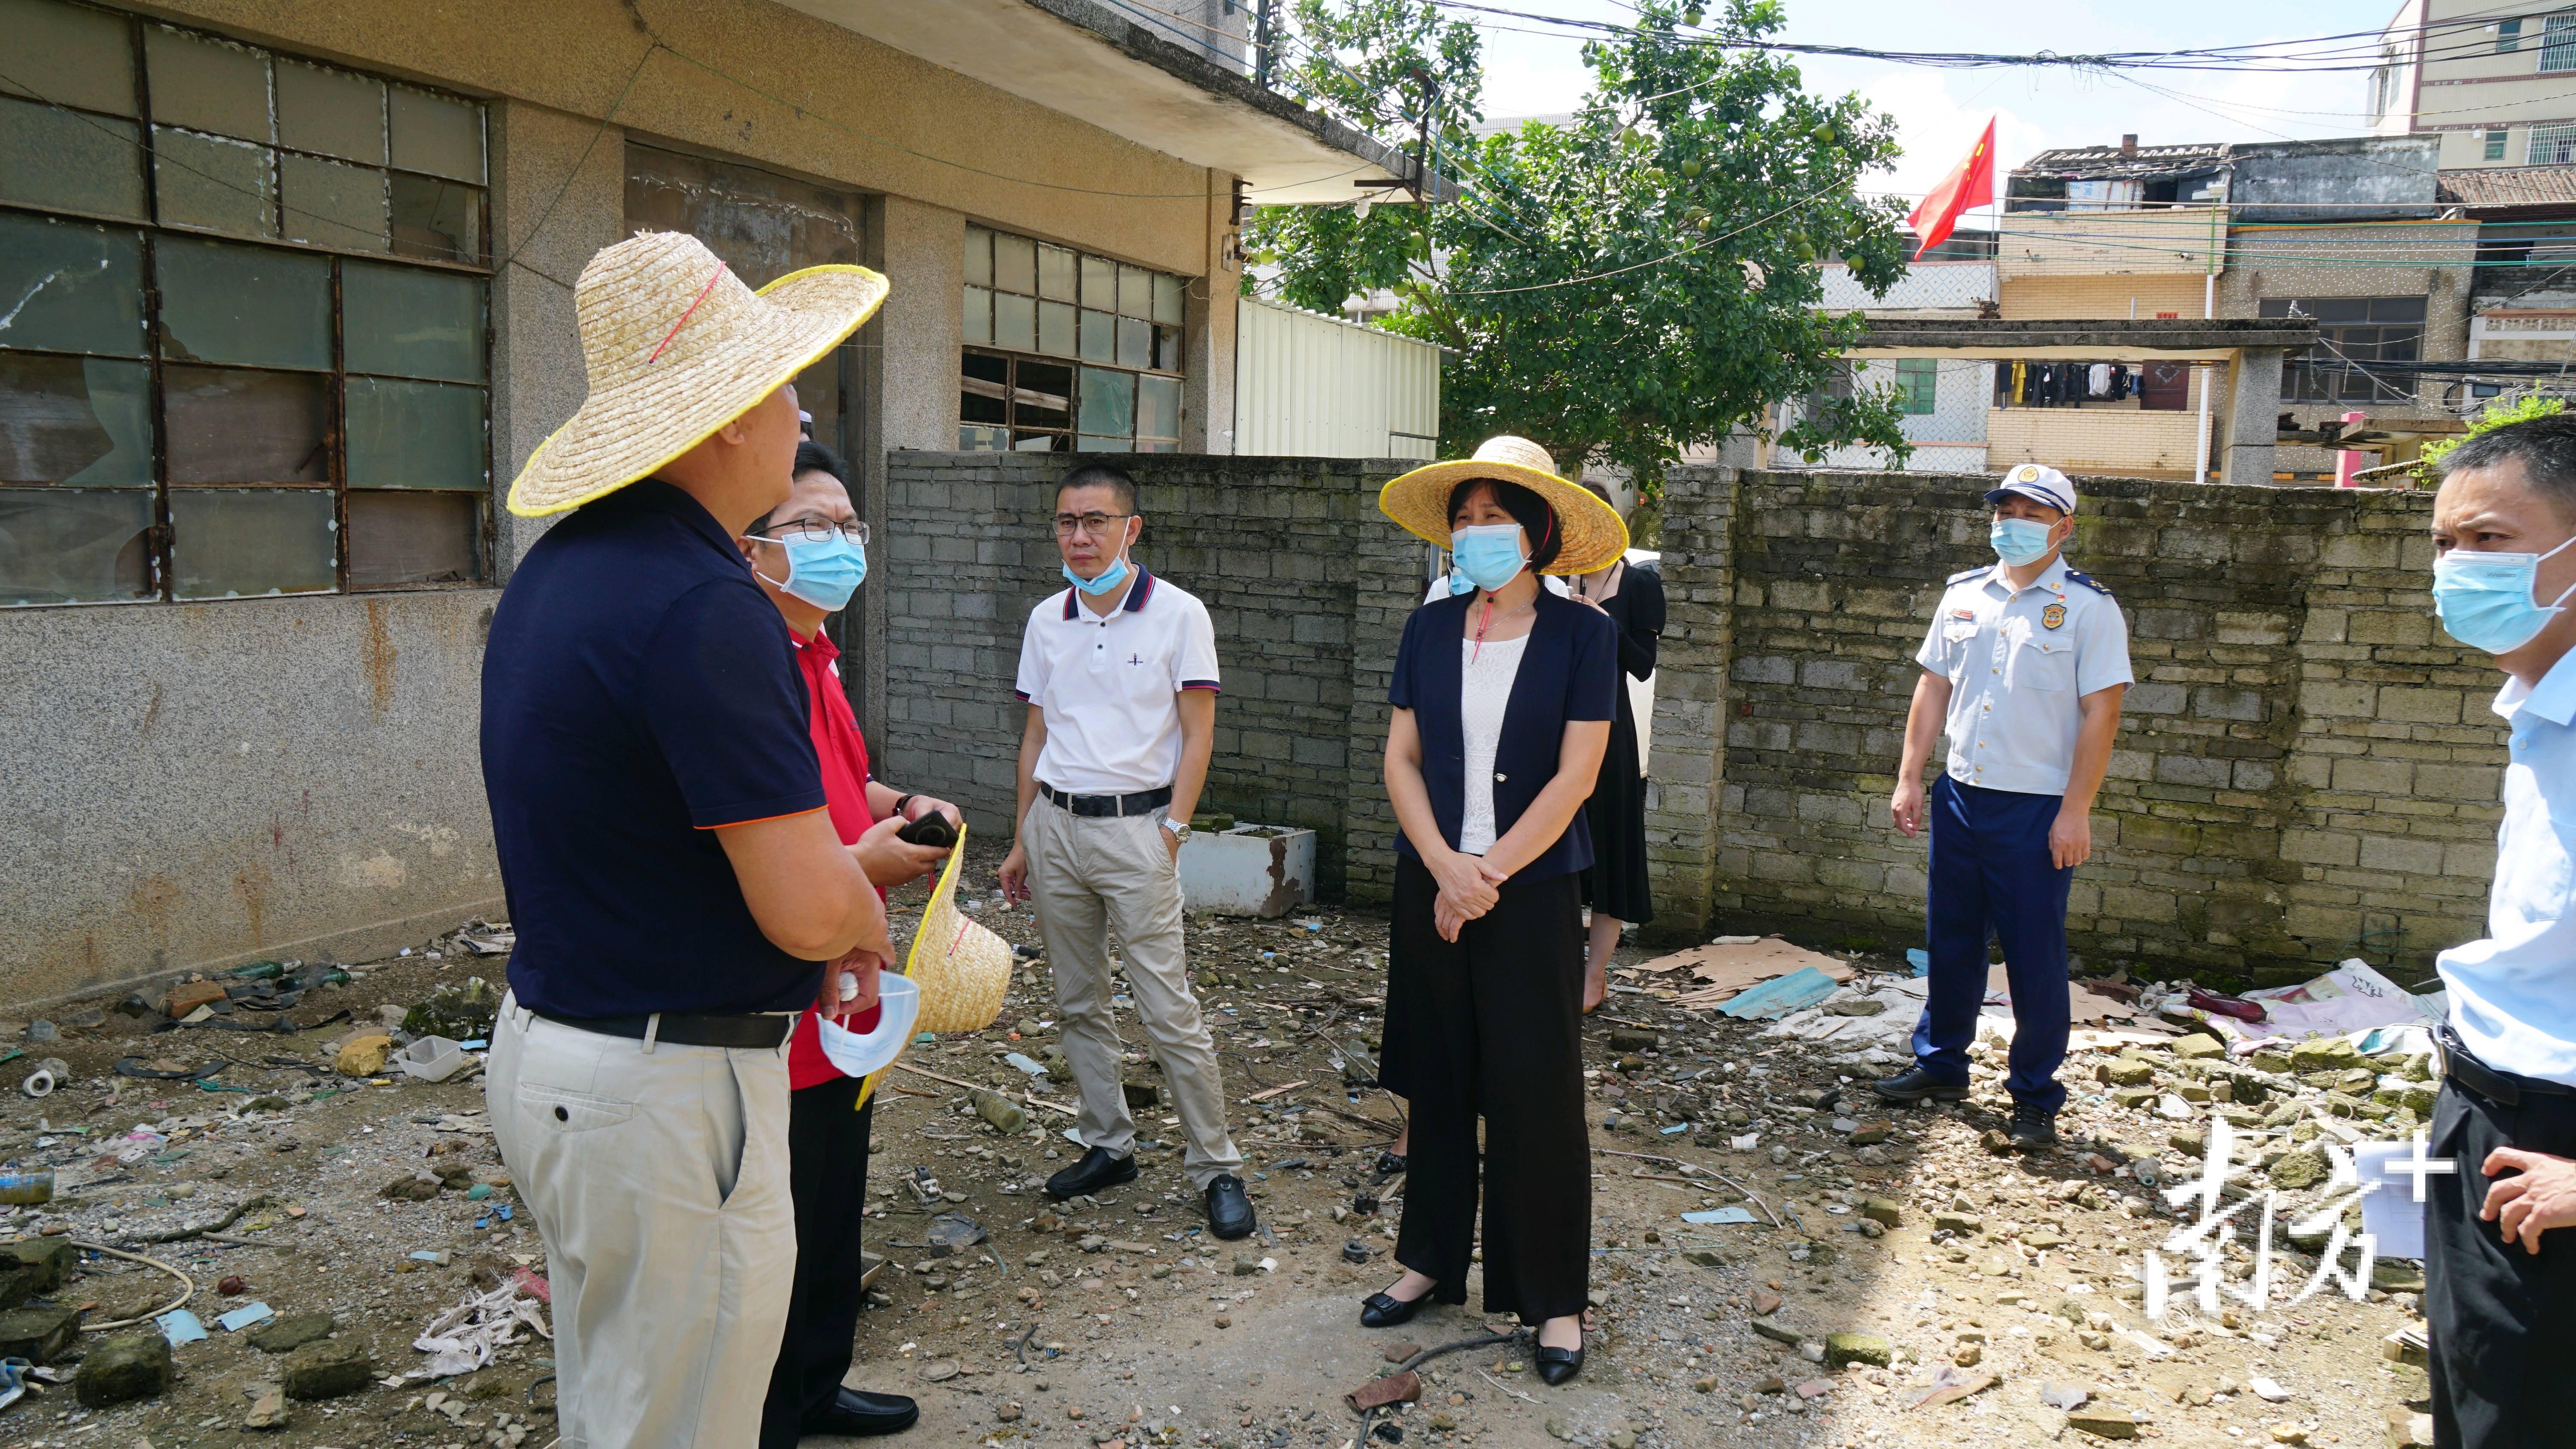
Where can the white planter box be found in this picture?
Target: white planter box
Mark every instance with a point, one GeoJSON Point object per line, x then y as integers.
{"type": "Point", "coordinates": [1251, 870]}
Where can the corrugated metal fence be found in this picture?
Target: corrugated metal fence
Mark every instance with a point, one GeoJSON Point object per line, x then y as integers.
{"type": "Point", "coordinates": [1308, 385]}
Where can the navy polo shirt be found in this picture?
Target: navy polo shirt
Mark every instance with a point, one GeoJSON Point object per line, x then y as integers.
{"type": "Point", "coordinates": [638, 691]}
{"type": "Point", "coordinates": [1569, 671]}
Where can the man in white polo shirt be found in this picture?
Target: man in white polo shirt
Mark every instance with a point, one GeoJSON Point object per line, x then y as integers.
{"type": "Point", "coordinates": [1119, 674]}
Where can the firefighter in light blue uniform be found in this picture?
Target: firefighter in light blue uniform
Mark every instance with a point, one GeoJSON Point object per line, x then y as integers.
{"type": "Point", "coordinates": [2023, 672]}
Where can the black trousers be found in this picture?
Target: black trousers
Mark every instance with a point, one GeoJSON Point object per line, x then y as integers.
{"type": "Point", "coordinates": [2503, 1321]}
{"type": "Point", "coordinates": [1491, 1025]}
{"type": "Point", "coordinates": [827, 1177]}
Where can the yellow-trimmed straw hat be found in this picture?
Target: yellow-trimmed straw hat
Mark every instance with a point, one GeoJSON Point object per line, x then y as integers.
{"type": "Point", "coordinates": [962, 967]}
{"type": "Point", "coordinates": [676, 347]}
{"type": "Point", "coordinates": [1594, 535]}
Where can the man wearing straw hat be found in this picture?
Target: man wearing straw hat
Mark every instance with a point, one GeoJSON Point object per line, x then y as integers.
{"type": "Point", "coordinates": [661, 824]}
{"type": "Point", "coordinates": [1119, 674]}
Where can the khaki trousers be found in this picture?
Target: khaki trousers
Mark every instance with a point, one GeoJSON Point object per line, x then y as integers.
{"type": "Point", "coordinates": [1088, 876]}
{"type": "Point", "coordinates": [659, 1182]}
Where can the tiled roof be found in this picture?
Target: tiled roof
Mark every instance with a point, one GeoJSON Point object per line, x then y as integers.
{"type": "Point", "coordinates": [2511, 186]}
{"type": "Point", "coordinates": [2108, 162]}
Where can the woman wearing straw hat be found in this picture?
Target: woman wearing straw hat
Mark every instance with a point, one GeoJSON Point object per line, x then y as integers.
{"type": "Point", "coordinates": [659, 816]}
{"type": "Point", "coordinates": [810, 555]}
{"type": "Point", "coordinates": [1503, 701]}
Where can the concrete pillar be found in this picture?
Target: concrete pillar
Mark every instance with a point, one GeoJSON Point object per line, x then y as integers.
{"type": "Point", "coordinates": [1687, 789]}
{"type": "Point", "coordinates": [1207, 393]}
{"type": "Point", "coordinates": [2253, 414]}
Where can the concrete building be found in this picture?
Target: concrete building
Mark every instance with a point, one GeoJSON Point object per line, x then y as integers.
{"type": "Point", "coordinates": [287, 300]}
{"type": "Point", "coordinates": [2498, 88]}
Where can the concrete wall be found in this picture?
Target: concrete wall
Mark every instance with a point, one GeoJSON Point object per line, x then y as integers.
{"type": "Point", "coordinates": [1306, 584]}
{"type": "Point", "coordinates": [2306, 768]}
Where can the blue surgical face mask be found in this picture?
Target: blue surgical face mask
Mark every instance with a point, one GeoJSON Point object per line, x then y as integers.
{"type": "Point", "coordinates": [2487, 600]}
{"type": "Point", "coordinates": [1488, 554]}
{"type": "Point", "coordinates": [1110, 577]}
{"type": "Point", "coordinates": [822, 571]}
{"type": "Point", "coordinates": [2019, 540]}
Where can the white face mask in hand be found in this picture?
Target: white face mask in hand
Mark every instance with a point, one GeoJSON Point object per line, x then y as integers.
{"type": "Point", "coordinates": [863, 1053]}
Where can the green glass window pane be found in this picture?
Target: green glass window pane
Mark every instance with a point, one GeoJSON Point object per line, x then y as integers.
{"type": "Point", "coordinates": [1135, 292]}
{"type": "Point", "coordinates": [228, 543]}
{"type": "Point", "coordinates": [409, 322]}
{"type": "Point", "coordinates": [435, 134]}
{"type": "Point", "coordinates": [1055, 328]}
{"type": "Point", "coordinates": [209, 85]}
{"type": "Point", "coordinates": [330, 111]}
{"type": "Point", "coordinates": [81, 57]}
{"type": "Point", "coordinates": [414, 434]}
{"type": "Point", "coordinates": [978, 314]}
{"type": "Point", "coordinates": [1090, 444]}
{"type": "Point", "coordinates": [979, 256]}
{"type": "Point", "coordinates": [1015, 322]}
{"type": "Point", "coordinates": [257, 306]}
{"type": "Point", "coordinates": [50, 157]}
{"type": "Point", "coordinates": [215, 183]}
{"type": "Point", "coordinates": [1099, 337]}
{"type": "Point", "coordinates": [1135, 342]}
{"type": "Point", "coordinates": [1168, 300]}
{"type": "Point", "coordinates": [438, 221]}
{"type": "Point", "coordinates": [408, 540]}
{"type": "Point", "coordinates": [331, 204]}
{"type": "Point", "coordinates": [75, 420]}
{"type": "Point", "coordinates": [1158, 407]}
{"type": "Point", "coordinates": [233, 426]}
{"type": "Point", "coordinates": [1055, 273]}
{"type": "Point", "coordinates": [72, 287]}
{"type": "Point", "coordinates": [971, 439]}
{"type": "Point", "coordinates": [1147, 446]}
{"type": "Point", "coordinates": [1015, 264]}
{"type": "Point", "coordinates": [74, 546]}
{"type": "Point", "coordinates": [1100, 283]}
{"type": "Point", "coordinates": [1108, 403]}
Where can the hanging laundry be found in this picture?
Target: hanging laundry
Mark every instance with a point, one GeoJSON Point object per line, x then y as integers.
{"type": "Point", "coordinates": [2097, 380]}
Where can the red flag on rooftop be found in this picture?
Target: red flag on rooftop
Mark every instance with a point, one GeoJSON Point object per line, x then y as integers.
{"type": "Point", "coordinates": [1965, 189]}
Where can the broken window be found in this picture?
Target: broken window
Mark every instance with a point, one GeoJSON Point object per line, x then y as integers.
{"type": "Point", "coordinates": [2352, 334]}
{"type": "Point", "coordinates": [194, 416]}
{"type": "Point", "coordinates": [1122, 324]}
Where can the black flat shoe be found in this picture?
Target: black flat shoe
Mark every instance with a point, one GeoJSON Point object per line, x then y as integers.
{"type": "Point", "coordinates": [1556, 1365]}
{"type": "Point", "coordinates": [2033, 1128]}
{"type": "Point", "coordinates": [1917, 1085]}
{"type": "Point", "coordinates": [854, 1413]}
{"type": "Point", "coordinates": [1229, 1211]}
{"type": "Point", "coordinates": [1384, 1310]}
{"type": "Point", "coordinates": [1096, 1170]}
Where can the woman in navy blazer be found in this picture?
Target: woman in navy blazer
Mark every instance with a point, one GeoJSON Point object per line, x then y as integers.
{"type": "Point", "coordinates": [1503, 701]}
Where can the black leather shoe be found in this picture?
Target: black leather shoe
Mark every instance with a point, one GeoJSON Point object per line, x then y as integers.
{"type": "Point", "coordinates": [1914, 1084]}
{"type": "Point", "coordinates": [1556, 1365]}
{"type": "Point", "coordinates": [1097, 1169]}
{"type": "Point", "coordinates": [1229, 1211]}
{"type": "Point", "coordinates": [853, 1413]}
{"type": "Point", "coordinates": [2032, 1127]}
{"type": "Point", "coordinates": [1384, 1310]}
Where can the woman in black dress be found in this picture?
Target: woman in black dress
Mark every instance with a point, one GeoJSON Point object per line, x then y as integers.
{"type": "Point", "coordinates": [1615, 887]}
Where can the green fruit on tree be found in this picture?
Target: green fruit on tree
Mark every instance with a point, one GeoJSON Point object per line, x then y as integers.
{"type": "Point", "coordinates": [1823, 135]}
{"type": "Point", "coordinates": [1692, 168]}
{"type": "Point", "coordinates": [1691, 16]}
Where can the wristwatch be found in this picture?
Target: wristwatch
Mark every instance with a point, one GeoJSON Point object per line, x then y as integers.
{"type": "Point", "coordinates": [1180, 829]}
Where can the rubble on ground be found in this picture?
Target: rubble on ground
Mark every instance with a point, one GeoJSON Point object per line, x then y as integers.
{"type": "Point", "coordinates": [1780, 1259]}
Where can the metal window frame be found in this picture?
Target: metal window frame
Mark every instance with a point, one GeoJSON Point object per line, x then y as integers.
{"type": "Point", "coordinates": [2558, 43]}
{"type": "Point", "coordinates": [1072, 432]}
{"type": "Point", "coordinates": [335, 437]}
{"type": "Point", "coordinates": [2559, 140]}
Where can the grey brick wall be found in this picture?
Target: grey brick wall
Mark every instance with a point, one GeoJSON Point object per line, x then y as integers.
{"type": "Point", "coordinates": [1297, 568]}
{"type": "Point", "coordinates": [2306, 767]}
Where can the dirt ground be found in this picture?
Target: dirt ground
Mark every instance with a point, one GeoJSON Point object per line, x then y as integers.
{"type": "Point", "coordinates": [1118, 1322]}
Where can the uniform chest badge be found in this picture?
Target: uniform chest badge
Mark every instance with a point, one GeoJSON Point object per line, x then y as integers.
{"type": "Point", "coordinates": [1967, 614]}
{"type": "Point", "coordinates": [2053, 615]}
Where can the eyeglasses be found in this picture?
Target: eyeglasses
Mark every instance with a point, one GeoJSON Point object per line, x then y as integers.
{"type": "Point", "coordinates": [814, 530]}
{"type": "Point", "coordinates": [1095, 524]}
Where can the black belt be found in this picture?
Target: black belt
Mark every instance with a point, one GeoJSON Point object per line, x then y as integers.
{"type": "Point", "coordinates": [749, 1033]}
{"type": "Point", "coordinates": [2505, 1089]}
{"type": "Point", "coordinates": [1136, 804]}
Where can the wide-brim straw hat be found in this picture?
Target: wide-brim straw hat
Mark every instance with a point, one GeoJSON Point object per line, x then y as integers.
{"type": "Point", "coordinates": [962, 967]}
{"type": "Point", "coordinates": [676, 347]}
{"type": "Point", "coordinates": [1594, 534]}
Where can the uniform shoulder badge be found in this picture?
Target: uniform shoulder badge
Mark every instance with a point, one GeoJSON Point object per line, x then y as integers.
{"type": "Point", "coordinates": [1964, 575]}
{"type": "Point", "coordinates": [2053, 615]}
{"type": "Point", "coordinates": [2087, 581]}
